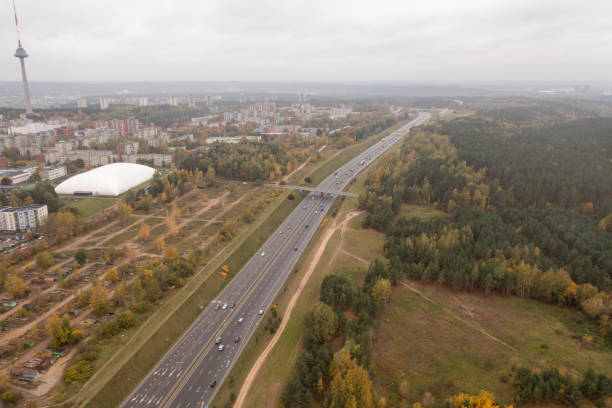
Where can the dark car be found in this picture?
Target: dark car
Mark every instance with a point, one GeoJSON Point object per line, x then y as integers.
{"type": "Point", "coordinates": [213, 383]}
{"type": "Point", "coordinates": [236, 339]}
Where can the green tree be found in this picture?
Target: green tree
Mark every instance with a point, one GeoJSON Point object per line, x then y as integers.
{"type": "Point", "coordinates": [80, 256]}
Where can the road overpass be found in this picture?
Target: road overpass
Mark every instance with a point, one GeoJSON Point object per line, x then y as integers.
{"type": "Point", "coordinates": [329, 192]}
{"type": "Point", "coordinates": [192, 371]}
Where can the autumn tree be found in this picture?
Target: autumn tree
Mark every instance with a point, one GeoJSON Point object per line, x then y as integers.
{"type": "Point", "coordinates": [44, 259]}
{"type": "Point", "coordinates": [99, 300]}
{"type": "Point", "coordinates": [171, 253]}
{"type": "Point", "coordinates": [144, 231]}
{"type": "Point", "coordinates": [124, 211]}
{"type": "Point", "coordinates": [61, 332]}
{"type": "Point", "coordinates": [209, 177]}
{"type": "Point", "coordinates": [111, 275]}
{"type": "Point", "coordinates": [350, 384]}
{"type": "Point", "coordinates": [171, 220]}
{"type": "Point", "coordinates": [160, 244]}
{"type": "Point", "coordinates": [381, 290]}
{"type": "Point", "coordinates": [14, 285]}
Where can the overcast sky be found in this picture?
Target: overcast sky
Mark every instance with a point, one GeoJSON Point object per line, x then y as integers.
{"type": "Point", "coordinates": [310, 40]}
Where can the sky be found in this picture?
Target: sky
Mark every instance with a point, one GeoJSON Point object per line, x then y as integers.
{"type": "Point", "coordinates": [310, 40]}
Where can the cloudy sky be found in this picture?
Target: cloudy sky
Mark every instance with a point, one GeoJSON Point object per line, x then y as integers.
{"type": "Point", "coordinates": [309, 40]}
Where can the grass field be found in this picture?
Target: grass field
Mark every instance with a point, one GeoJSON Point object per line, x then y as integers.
{"type": "Point", "coordinates": [91, 205]}
{"type": "Point", "coordinates": [436, 343]}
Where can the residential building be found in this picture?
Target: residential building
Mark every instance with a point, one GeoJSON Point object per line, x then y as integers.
{"type": "Point", "coordinates": [81, 103]}
{"type": "Point", "coordinates": [52, 172]}
{"type": "Point", "coordinates": [23, 218]}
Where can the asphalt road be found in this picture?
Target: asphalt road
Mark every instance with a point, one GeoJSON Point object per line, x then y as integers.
{"type": "Point", "coordinates": [185, 375]}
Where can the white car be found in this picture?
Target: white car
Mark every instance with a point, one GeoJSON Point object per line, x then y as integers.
{"type": "Point", "coordinates": [218, 340]}
{"type": "Point", "coordinates": [260, 312]}
{"type": "Point", "coordinates": [224, 306]}
{"type": "Point", "coordinates": [221, 347]}
{"type": "Point", "coordinates": [263, 253]}
{"type": "Point", "coordinates": [240, 320]}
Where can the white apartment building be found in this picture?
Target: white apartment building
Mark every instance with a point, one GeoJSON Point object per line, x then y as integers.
{"type": "Point", "coordinates": [23, 218]}
{"type": "Point", "coordinates": [52, 172]}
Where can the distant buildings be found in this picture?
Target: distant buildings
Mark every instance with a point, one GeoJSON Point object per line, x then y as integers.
{"type": "Point", "coordinates": [173, 101]}
{"type": "Point", "coordinates": [81, 103]}
{"type": "Point", "coordinates": [104, 102]}
{"type": "Point", "coordinates": [123, 127]}
{"type": "Point", "coordinates": [143, 101]}
{"type": "Point", "coordinates": [340, 112]}
{"type": "Point", "coordinates": [23, 218]}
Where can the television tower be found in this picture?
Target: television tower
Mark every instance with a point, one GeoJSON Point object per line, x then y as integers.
{"type": "Point", "coordinates": [22, 55]}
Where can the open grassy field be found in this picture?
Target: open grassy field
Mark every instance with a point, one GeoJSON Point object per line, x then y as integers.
{"type": "Point", "coordinates": [91, 205]}
{"type": "Point", "coordinates": [444, 343]}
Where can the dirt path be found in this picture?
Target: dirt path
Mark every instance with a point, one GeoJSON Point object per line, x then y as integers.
{"type": "Point", "coordinates": [311, 267]}
{"type": "Point", "coordinates": [301, 166]}
{"type": "Point", "coordinates": [360, 259]}
{"type": "Point", "coordinates": [450, 312]}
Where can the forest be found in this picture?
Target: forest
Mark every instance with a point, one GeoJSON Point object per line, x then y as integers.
{"type": "Point", "coordinates": [247, 160]}
{"type": "Point", "coordinates": [529, 199]}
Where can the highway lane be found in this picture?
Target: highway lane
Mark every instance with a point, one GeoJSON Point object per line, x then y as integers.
{"type": "Point", "coordinates": [185, 374]}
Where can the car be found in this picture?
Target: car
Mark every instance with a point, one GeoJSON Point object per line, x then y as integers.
{"type": "Point", "coordinates": [260, 312]}
{"type": "Point", "coordinates": [263, 253]}
{"type": "Point", "coordinates": [295, 249]}
{"type": "Point", "coordinates": [213, 383]}
{"type": "Point", "coordinates": [218, 307]}
{"type": "Point", "coordinates": [224, 306]}
{"type": "Point", "coordinates": [306, 225]}
{"type": "Point", "coordinates": [233, 305]}
{"type": "Point", "coordinates": [304, 207]}
{"type": "Point", "coordinates": [316, 212]}
{"type": "Point", "coordinates": [221, 347]}
{"type": "Point", "coordinates": [281, 232]}
{"type": "Point", "coordinates": [240, 320]}
{"type": "Point", "coordinates": [236, 339]}
{"type": "Point", "coordinates": [218, 340]}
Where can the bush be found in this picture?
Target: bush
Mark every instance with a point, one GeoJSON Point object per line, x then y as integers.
{"type": "Point", "coordinates": [10, 397]}
{"type": "Point", "coordinates": [126, 319]}
{"type": "Point", "coordinates": [80, 372]}
{"type": "Point", "coordinates": [110, 328]}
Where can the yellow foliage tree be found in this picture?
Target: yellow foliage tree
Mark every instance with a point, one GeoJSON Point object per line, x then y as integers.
{"type": "Point", "coordinates": [160, 244]}
{"type": "Point", "coordinates": [14, 285]}
{"type": "Point", "coordinates": [99, 300]}
{"type": "Point", "coordinates": [171, 253]}
{"type": "Point", "coordinates": [144, 232]}
{"type": "Point", "coordinates": [483, 400]}
{"type": "Point", "coordinates": [124, 212]}
{"type": "Point", "coordinates": [111, 275]}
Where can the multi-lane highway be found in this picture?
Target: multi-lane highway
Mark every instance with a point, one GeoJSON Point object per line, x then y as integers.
{"type": "Point", "coordinates": [191, 372]}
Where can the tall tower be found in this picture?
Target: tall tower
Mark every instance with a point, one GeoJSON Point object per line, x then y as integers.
{"type": "Point", "coordinates": [22, 55]}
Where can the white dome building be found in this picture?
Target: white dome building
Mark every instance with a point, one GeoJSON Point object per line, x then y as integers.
{"type": "Point", "coordinates": [111, 180]}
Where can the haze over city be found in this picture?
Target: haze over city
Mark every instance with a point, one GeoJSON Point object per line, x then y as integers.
{"type": "Point", "coordinates": [220, 40]}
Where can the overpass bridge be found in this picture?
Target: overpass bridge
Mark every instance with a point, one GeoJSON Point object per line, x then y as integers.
{"type": "Point", "coordinates": [312, 189]}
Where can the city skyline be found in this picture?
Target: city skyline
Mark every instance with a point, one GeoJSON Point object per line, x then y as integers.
{"type": "Point", "coordinates": [314, 41]}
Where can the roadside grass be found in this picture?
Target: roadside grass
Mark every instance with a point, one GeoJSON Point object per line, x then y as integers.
{"type": "Point", "coordinates": [422, 343]}
{"type": "Point", "coordinates": [278, 367]}
{"type": "Point", "coordinates": [180, 310]}
{"type": "Point", "coordinates": [91, 205]}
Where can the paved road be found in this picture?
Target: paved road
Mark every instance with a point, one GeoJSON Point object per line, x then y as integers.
{"type": "Point", "coordinates": [185, 376]}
